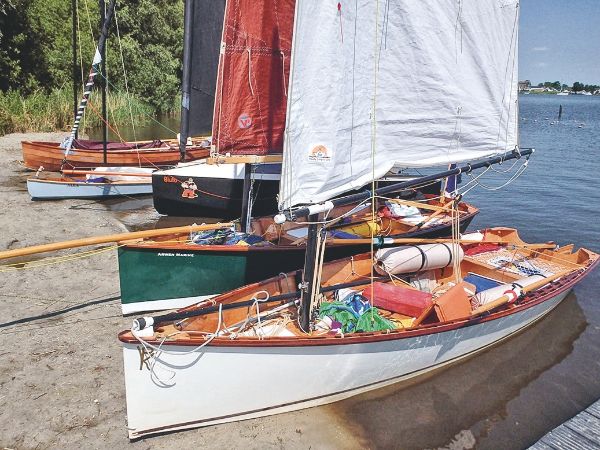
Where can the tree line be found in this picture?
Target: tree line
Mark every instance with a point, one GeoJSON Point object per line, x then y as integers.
{"type": "Point", "coordinates": [36, 49]}
{"type": "Point", "coordinates": [577, 86]}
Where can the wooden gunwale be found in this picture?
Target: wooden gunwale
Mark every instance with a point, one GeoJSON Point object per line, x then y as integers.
{"type": "Point", "coordinates": [88, 183]}
{"type": "Point", "coordinates": [539, 296]}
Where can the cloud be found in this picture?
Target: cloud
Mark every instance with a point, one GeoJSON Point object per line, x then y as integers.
{"type": "Point", "coordinates": [540, 49]}
{"type": "Point", "coordinates": [541, 64]}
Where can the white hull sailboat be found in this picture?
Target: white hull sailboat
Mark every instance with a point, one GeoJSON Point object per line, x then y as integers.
{"type": "Point", "coordinates": [100, 182]}
{"type": "Point", "coordinates": [185, 376]}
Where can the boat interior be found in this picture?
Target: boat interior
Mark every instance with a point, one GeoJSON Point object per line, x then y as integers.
{"type": "Point", "coordinates": [394, 290]}
{"type": "Point", "coordinates": [421, 213]}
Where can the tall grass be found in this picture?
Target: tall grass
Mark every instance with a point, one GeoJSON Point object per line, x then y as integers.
{"type": "Point", "coordinates": [42, 111]}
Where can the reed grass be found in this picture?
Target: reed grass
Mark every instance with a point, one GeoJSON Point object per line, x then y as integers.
{"type": "Point", "coordinates": [53, 111]}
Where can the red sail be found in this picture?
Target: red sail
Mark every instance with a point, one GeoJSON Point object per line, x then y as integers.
{"type": "Point", "coordinates": [252, 83]}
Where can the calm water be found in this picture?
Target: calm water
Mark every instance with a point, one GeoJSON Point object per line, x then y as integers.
{"type": "Point", "coordinates": [514, 393]}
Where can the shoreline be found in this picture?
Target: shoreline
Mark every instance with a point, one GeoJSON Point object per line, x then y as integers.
{"type": "Point", "coordinates": [61, 374]}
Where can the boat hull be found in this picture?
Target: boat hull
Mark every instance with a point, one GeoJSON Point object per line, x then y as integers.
{"type": "Point", "coordinates": [217, 190]}
{"type": "Point", "coordinates": [208, 386]}
{"type": "Point", "coordinates": [40, 189]}
{"type": "Point", "coordinates": [50, 156]}
{"type": "Point", "coordinates": [164, 276]}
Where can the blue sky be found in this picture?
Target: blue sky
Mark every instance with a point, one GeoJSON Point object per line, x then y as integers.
{"type": "Point", "coordinates": [560, 40]}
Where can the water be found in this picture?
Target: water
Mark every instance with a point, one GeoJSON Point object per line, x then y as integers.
{"type": "Point", "coordinates": [514, 393]}
{"type": "Point", "coordinates": [163, 127]}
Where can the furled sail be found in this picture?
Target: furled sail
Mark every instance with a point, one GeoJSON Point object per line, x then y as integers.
{"type": "Point", "coordinates": [207, 29]}
{"type": "Point", "coordinates": [412, 83]}
{"type": "Point", "coordinates": [253, 75]}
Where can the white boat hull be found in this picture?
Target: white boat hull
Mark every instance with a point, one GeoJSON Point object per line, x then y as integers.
{"type": "Point", "coordinates": [46, 190]}
{"type": "Point", "coordinates": [218, 384]}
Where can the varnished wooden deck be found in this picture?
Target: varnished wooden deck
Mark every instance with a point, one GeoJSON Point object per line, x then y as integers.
{"type": "Point", "coordinates": [582, 432]}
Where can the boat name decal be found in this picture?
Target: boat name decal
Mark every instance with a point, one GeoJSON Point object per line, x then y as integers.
{"type": "Point", "coordinates": [170, 179]}
{"type": "Point", "coordinates": [190, 255]}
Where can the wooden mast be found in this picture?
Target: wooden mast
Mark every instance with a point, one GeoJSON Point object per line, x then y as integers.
{"type": "Point", "coordinates": [75, 67]}
{"type": "Point", "coordinates": [90, 81]}
{"type": "Point", "coordinates": [103, 76]}
{"type": "Point", "coordinates": [186, 78]}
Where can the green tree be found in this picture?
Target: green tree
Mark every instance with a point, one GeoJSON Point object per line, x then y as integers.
{"type": "Point", "coordinates": [577, 86]}
{"type": "Point", "coordinates": [35, 46]}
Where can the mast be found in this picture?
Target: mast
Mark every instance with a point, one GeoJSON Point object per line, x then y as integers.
{"type": "Point", "coordinates": [90, 81]}
{"type": "Point", "coordinates": [75, 67]}
{"type": "Point", "coordinates": [186, 79]}
{"type": "Point", "coordinates": [103, 75]}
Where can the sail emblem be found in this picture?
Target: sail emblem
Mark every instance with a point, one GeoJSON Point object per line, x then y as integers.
{"type": "Point", "coordinates": [244, 121]}
{"type": "Point", "coordinates": [319, 153]}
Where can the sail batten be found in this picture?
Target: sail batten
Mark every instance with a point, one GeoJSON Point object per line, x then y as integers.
{"type": "Point", "coordinates": [421, 84]}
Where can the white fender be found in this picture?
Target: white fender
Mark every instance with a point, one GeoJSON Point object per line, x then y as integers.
{"type": "Point", "coordinates": [416, 258]}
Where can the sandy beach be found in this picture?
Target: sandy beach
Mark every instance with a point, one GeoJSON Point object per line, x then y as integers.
{"type": "Point", "coordinates": [61, 376]}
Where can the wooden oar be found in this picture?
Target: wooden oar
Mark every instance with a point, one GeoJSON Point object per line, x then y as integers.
{"type": "Point", "coordinates": [92, 172]}
{"type": "Point", "coordinates": [392, 241]}
{"type": "Point", "coordinates": [109, 238]}
{"type": "Point", "coordinates": [506, 298]}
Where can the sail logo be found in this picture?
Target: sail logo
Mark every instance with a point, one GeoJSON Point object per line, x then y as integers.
{"type": "Point", "coordinates": [319, 153]}
{"type": "Point", "coordinates": [244, 121]}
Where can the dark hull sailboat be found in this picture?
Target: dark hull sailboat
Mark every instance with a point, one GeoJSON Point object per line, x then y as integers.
{"type": "Point", "coordinates": [209, 190]}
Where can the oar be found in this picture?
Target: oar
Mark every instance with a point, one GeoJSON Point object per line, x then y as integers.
{"type": "Point", "coordinates": [92, 172]}
{"type": "Point", "coordinates": [109, 238]}
{"type": "Point", "coordinates": [506, 298]}
{"type": "Point", "coordinates": [392, 241]}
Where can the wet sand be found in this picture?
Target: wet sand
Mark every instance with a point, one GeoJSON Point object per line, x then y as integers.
{"type": "Point", "coordinates": [61, 378]}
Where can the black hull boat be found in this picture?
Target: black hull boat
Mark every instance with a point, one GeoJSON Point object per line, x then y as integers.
{"type": "Point", "coordinates": [207, 190]}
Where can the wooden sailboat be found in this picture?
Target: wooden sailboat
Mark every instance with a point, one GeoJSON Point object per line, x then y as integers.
{"type": "Point", "coordinates": [82, 153]}
{"type": "Point", "coordinates": [255, 330]}
{"type": "Point", "coordinates": [249, 115]}
{"type": "Point", "coordinates": [179, 270]}
{"type": "Point", "coordinates": [100, 182]}
{"type": "Point", "coordinates": [85, 154]}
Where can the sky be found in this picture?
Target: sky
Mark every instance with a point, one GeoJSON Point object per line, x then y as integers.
{"type": "Point", "coordinates": [559, 40]}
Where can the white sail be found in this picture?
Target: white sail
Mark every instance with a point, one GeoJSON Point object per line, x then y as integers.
{"type": "Point", "coordinates": [416, 83]}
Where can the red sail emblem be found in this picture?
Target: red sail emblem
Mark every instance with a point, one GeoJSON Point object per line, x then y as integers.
{"type": "Point", "coordinates": [244, 121]}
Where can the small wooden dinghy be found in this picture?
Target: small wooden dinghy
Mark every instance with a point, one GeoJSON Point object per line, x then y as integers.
{"type": "Point", "coordinates": [176, 271]}
{"type": "Point", "coordinates": [102, 182]}
{"type": "Point", "coordinates": [51, 156]}
{"type": "Point", "coordinates": [464, 298]}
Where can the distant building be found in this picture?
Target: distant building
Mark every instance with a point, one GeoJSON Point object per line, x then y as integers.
{"type": "Point", "coordinates": [524, 86]}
